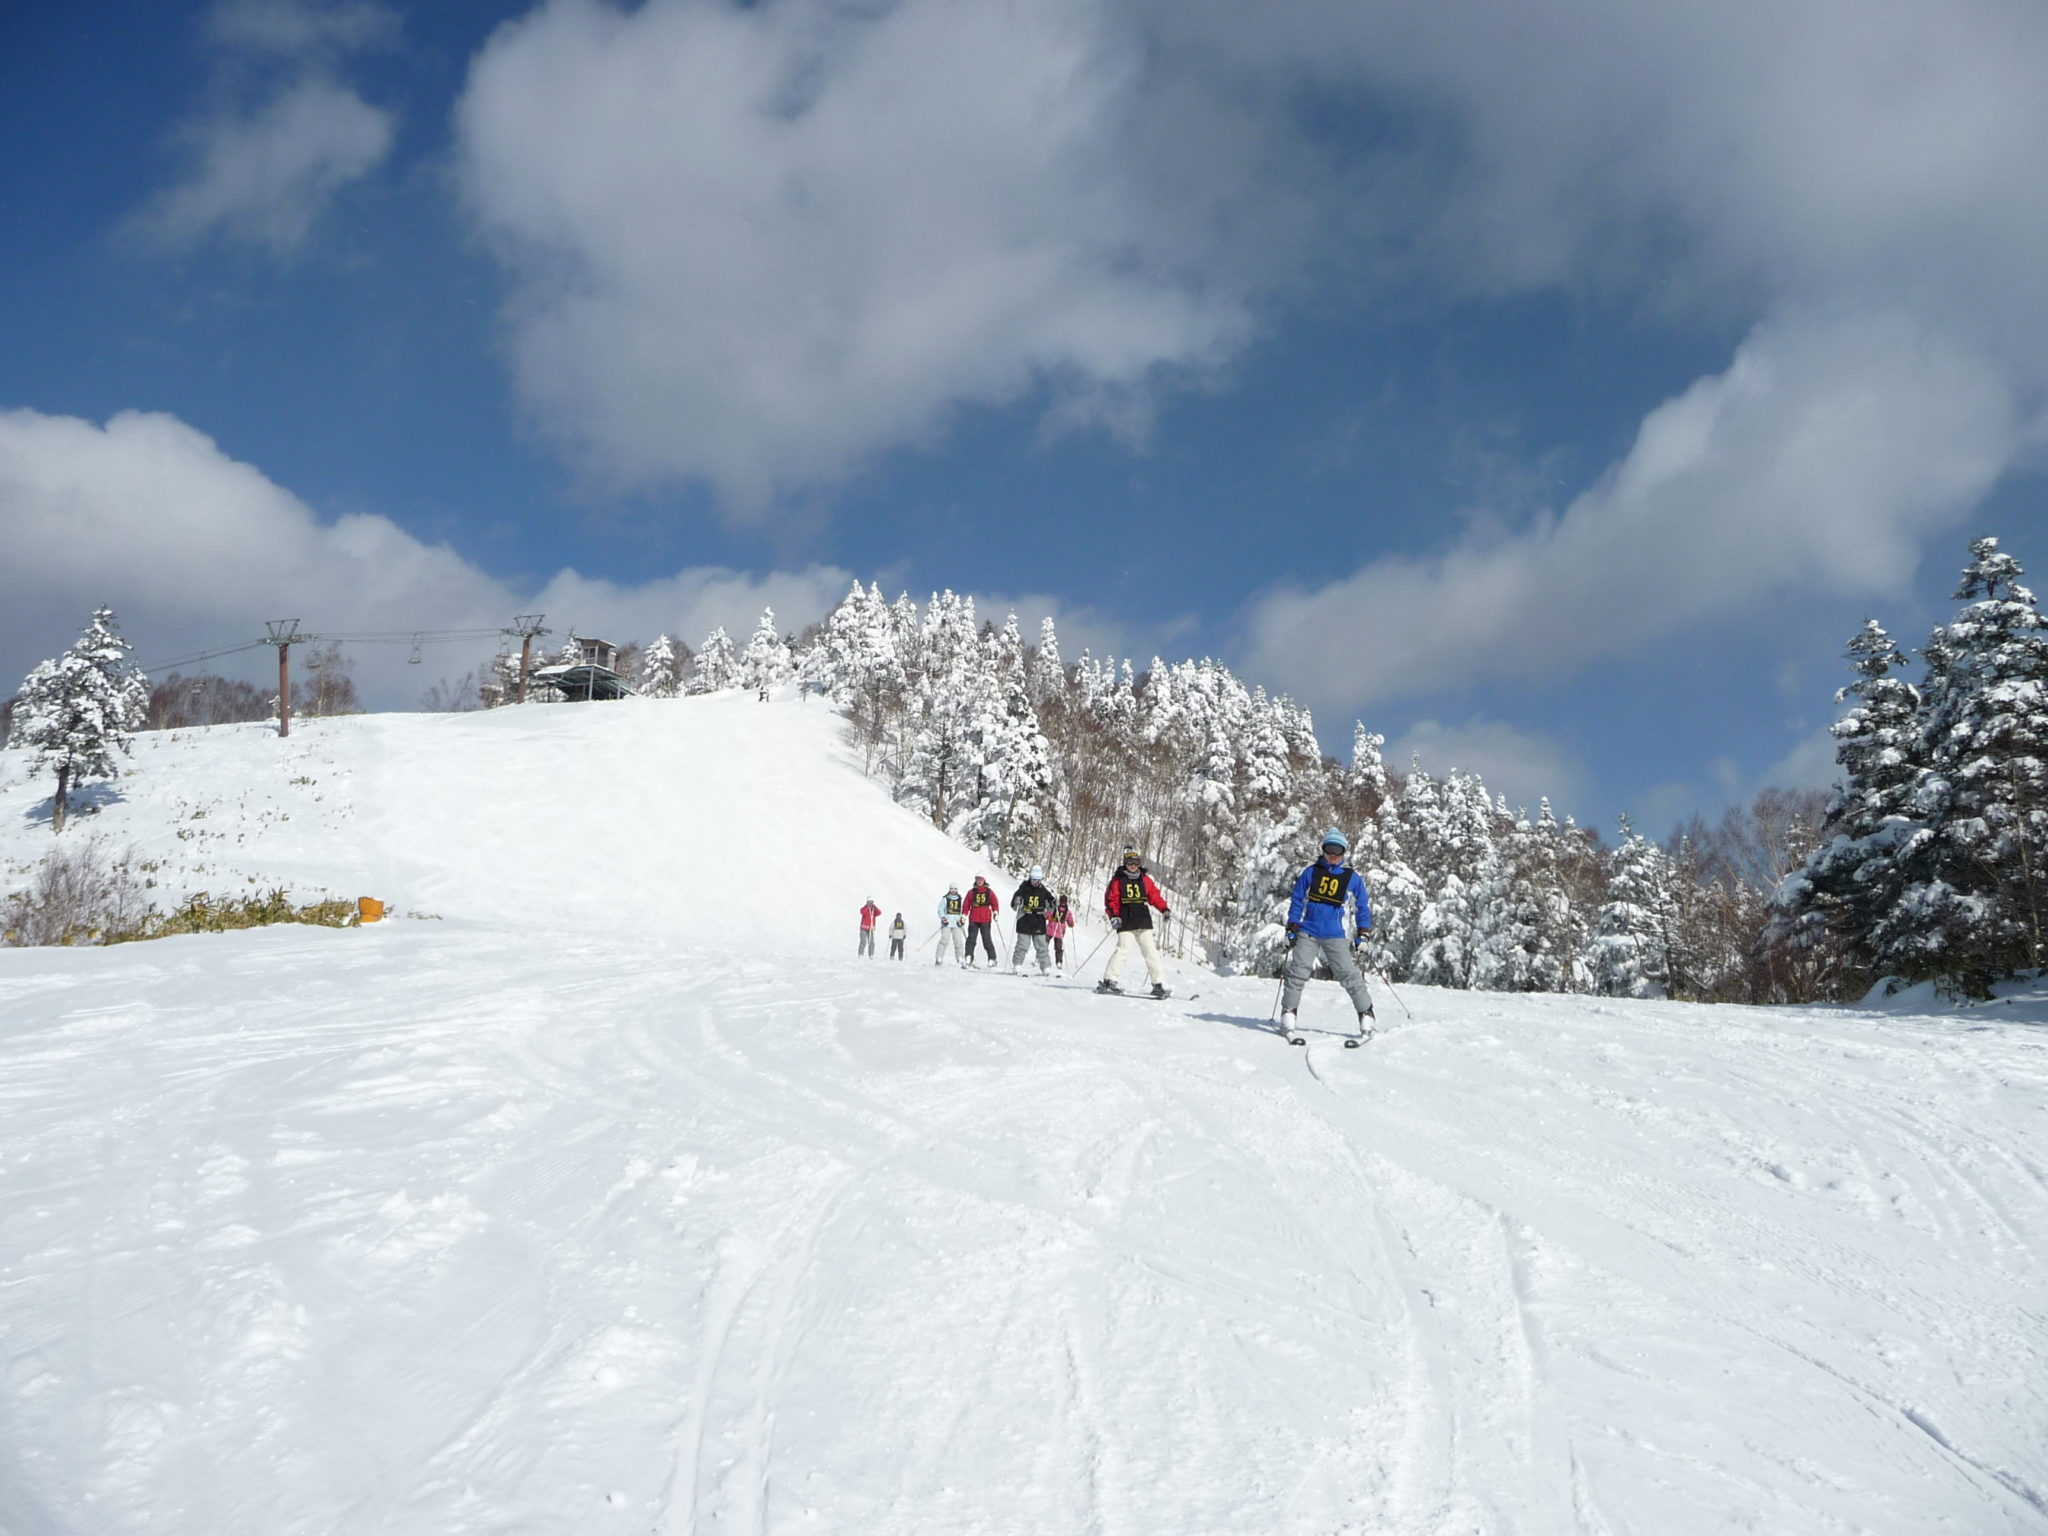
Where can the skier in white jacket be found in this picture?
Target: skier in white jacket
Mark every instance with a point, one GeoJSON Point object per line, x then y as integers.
{"type": "Point", "coordinates": [952, 926]}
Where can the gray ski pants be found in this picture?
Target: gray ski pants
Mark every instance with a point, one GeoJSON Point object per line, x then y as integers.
{"type": "Point", "coordinates": [867, 942]}
{"type": "Point", "coordinates": [1301, 961]}
{"type": "Point", "coordinates": [1036, 941]}
{"type": "Point", "coordinates": [949, 935]}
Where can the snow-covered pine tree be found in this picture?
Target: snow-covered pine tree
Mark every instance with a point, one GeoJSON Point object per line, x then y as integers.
{"type": "Point", "coordinates": [1511, 912]}
{"type": "Point", "coordinates": [939, 774]}
{"type": "Point", "coordinates": [1454, 923]}
{"type": "Point", "coordinates": [716, 667]}
{"type": "Point", "coordinates": [500, 684]}
{"type": "Point", "coordinates": [1254, 939]}
{"type": "Point", "coordinates": [1974, 905]}
{"type": "Point", "coordinates": [1014, 784]}
{"type": "Point", "coordinates": [1377, 853]}
{"type": "Point", "coordinates": [1630, 950]}
{"type": "Point", "coordinates": [1048, 674]}
{"type": "Point", "coordinates": [1854, 877]}
{"type": "Point", "coordinates": [1548, 859]}
{"type": "Point", "coordinates": [662, 666]}
{"type": "Point", "coordinates": [78, 710]}
{"type": "Point", "coordinates": [869, 677]}
{"type": "Point", "coordinates": [766, 662]}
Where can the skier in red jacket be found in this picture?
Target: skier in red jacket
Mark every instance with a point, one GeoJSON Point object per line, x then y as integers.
{"type": "Point", "coordinates": [1129, 902]}
{"type": "Point", "coordinates": [982, 907]}
{"type": "Point", "coordinates": [869, 916]}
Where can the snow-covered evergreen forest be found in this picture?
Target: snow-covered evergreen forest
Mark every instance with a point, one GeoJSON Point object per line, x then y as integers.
{"type": "Point", "coordinates": [1935, 860]}
{"type": "Point", "coordinates": [1926, 862]}
{"type": "Point", "coordinates": [1037, 759]}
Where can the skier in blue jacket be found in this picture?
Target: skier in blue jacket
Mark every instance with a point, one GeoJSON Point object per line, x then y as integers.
{"type": "Point", "coordinates": [1315, 927]}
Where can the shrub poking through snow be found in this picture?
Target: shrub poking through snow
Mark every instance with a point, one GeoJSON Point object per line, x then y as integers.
{"type": "Point", "coordinates": [202, 913]}
{"type": "Point", "coordinates": [81, 895]}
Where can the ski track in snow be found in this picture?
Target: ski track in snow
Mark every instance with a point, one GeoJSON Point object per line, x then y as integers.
{"type": "Point", "coordinates": [575, 1213]}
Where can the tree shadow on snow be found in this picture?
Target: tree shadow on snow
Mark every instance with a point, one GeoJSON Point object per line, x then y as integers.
{"type": "Point", "coordinates": [88, 801]}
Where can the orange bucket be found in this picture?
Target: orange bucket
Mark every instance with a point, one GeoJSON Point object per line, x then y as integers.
{"type": "Point", "coordinates": [369, 909]}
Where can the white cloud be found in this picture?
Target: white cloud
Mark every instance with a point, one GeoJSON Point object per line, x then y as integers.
{"type": "Point", "coordinates": [266, 177]}
{"type": "Point", "coordinates": [1816, 463]}
{"type": "Point", "coordinates": [194, 550]}
{"type": "Point", "coordinates": [1860, 186]}
{"type": "Point", "coordinates": [285, 134]}
{"type": "Point", "coordinates": [1810, 764]}
{"type": "Point", "coordinates": [1523, 765]}
{"type": "Point", "coordinates": [756, 246]}
{"type": "Point", "coordinates": [300, 29]}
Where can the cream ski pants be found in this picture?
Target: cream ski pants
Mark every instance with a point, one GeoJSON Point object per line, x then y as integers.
{"type": "Point", "coordinates": [1140, 939]}
{"type": "Point", "coordinates": [949, 935]}
{"type": "Point", "coordinates": [1336, 953]}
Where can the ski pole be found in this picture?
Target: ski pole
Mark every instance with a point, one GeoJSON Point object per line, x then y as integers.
{"type": "Point", "coordinates": [932, 940]}
{"type": "Point", "coordinates": [1091, 954]}
{"type": "Point", "coordinates": [1392, 993]}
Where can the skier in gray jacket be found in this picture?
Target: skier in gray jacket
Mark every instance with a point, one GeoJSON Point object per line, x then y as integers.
{"type": "Point", "coordinates": [1315, 927]}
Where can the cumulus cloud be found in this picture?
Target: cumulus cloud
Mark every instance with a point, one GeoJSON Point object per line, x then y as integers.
{"type": "Point", "coordinates": [760, 245]}
{"type": "Point", "coordinates": [1523, 765]}
{"type": "Point", "coordinates": [1815, 463]}
{"type": "Point", "coordinates": [300, 29]}
{"type": "Point", "coordinates": [265, 178]}
{"type": "Point", "coordinates": [285, 134]}
{"type": "Point", "coordinates": [755, 246]}
{"type": "Point", "coordinates": [195, 549]}
{"type": "Point", "coordinates": [1861, 186]}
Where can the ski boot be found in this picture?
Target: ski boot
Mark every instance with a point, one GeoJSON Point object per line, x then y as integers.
{"type": "Point", "coordinates": [1106, 985]}
{"type": "Point", "coordinates": [1159, 990]}
{"type": "Point", "coordinates": [1365, 1030]}
{"type": "Point", "coordinates": [1289, 1026]}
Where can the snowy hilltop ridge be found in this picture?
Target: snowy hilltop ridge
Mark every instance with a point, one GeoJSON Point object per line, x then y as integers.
{"type": "Point", "coordinates": [686, 818]}
{"type": "Point", "coordinates": [625, 1199]}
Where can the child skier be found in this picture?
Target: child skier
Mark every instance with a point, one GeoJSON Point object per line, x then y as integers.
{"type": "Point", "coordinates": [1315, 927]}
{"type": "Point", "coordinates": [870, 914]}
{"type": "Point", "coordinates": [1056, 927]}
{"type": "Point", "coordinates": [1129, 902]}
{"type": "Point", "coordinates": [982, 907]}
{"type": "Point", "coordinates": [952, 917]}
{"type": "Point", "coordinates": [897, 934]}
{"type": "Point", "coordinates": [1033, 904]}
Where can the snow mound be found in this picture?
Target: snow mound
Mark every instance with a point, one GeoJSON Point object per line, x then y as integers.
{"type": "Point", "coordinates": [714, 817]}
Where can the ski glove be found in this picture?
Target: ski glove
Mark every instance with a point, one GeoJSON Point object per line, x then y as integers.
{"type": "Point", "coordinates": [1115, 923]}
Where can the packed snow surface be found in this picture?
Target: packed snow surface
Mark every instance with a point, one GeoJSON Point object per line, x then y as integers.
{"type": "Point", "coordinates": [611, 1193]}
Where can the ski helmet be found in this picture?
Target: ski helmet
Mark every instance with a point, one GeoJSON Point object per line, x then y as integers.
{"type": "Point", "coordinates": [953, 890]}
{"type": "Point", "coordinates": [1038, 872]}
{"type": "Point", "coordinates": [1342, 842]}
{"type": "Point", "coordinates": [1132, 856]}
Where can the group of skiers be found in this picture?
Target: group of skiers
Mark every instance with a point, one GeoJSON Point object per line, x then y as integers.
{"type": "Point", "coordinates": [1316, 928]}
{"type": "Point", "coordinates": [1043, 921]}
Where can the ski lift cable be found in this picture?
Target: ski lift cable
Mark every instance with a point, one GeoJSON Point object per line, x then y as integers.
{"type": "Point", "coordinates": [187, 661]}
{"type": "Point", "coordinates": [412, 638]}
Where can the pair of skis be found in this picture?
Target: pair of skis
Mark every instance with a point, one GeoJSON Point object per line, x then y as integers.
{"type": "Point", "coordinates": [1351, 1042]}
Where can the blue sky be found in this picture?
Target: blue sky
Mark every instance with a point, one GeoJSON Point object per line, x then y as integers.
{"type": "Point", "coordinates": [1554, 385]}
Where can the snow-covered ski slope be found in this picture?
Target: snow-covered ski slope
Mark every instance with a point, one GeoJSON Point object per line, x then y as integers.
{"type": "Point", "coordinates": [622, 1198]}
